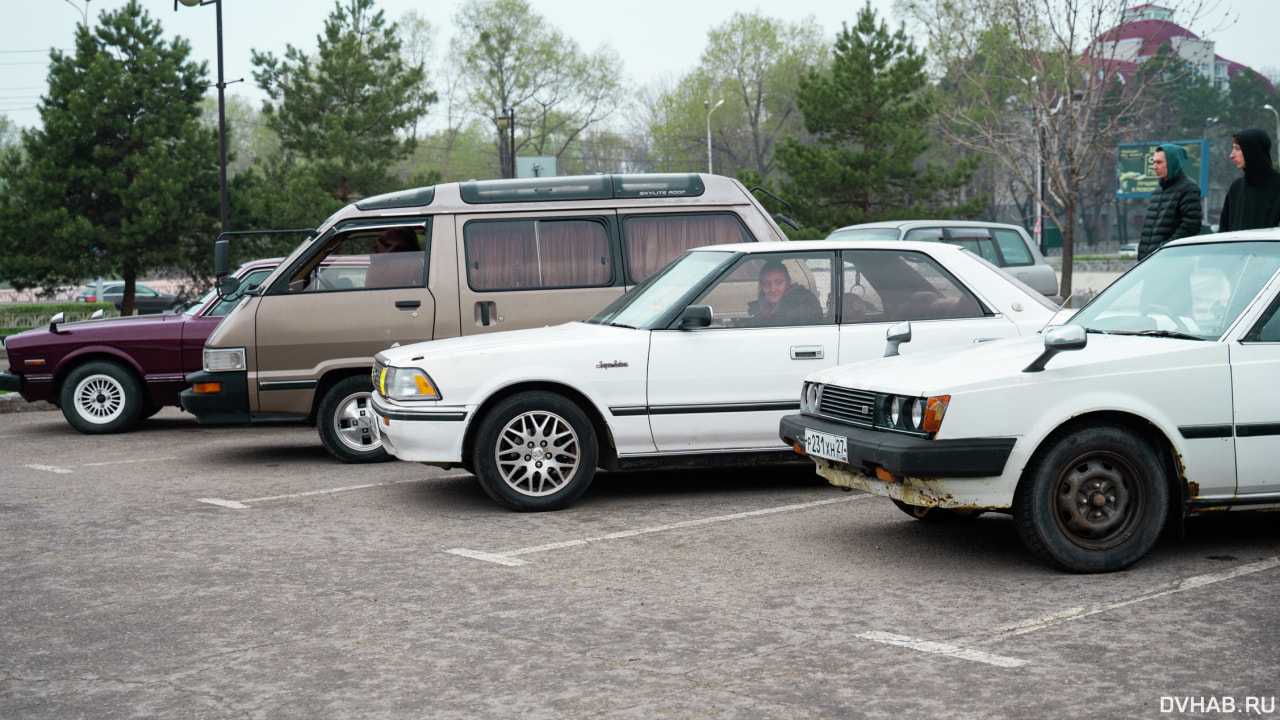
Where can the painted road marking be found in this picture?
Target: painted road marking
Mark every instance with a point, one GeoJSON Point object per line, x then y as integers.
{"type": "Point", "coordinates": [508, 558]}
{"type": "Point", "coordinates": [960, 648]}
{"type": "Point", "coordinates": [64, 470]}
{"type": "Point", "coordinates": [244, 504]}
{"type": "Point", "coordinates": [937, 648]}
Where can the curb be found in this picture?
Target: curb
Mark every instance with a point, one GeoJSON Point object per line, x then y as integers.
{"type": "Point", "coordinates": [14, 403]}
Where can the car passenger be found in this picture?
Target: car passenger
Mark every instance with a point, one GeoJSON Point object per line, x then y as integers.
{"type": "Point", "coordinates": [781, 302]}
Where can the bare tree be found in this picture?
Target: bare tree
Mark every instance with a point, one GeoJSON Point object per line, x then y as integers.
{"type": "Point", "coordinates": [1042, 84]}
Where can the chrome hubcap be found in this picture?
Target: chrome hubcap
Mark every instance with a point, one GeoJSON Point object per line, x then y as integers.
{"type": "Point", "coordinates": [99, 398]}
{"type": "Point", "coordinates": [355, 424]}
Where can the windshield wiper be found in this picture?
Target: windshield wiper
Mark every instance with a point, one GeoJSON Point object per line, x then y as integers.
{"type": "Point", "coordinates": [1168, 334]}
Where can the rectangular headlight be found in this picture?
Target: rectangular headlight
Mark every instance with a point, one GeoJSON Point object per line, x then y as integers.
{"type": "Point", "coordinates": [224, 359]}
{"type": "Point", "coordinates": [407, 384]}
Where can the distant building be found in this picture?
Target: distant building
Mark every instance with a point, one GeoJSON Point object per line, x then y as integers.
{"type": "Point", "coordinates": [1141, 32]}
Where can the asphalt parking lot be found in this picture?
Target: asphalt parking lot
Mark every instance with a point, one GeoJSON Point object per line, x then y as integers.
{"type": "Point", "coordinates": [186, 571]}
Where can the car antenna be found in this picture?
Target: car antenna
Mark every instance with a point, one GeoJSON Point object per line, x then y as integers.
{"type": "Point", "coordinates": [1054, 315]}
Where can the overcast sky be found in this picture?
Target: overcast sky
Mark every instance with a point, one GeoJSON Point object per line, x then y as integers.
{"type": "Point", "coordinates": [656, 39]}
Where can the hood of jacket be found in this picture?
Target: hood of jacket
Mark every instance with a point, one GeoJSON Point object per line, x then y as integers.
{"type": "Point", "coordinates": [1175, 156]}
{"type": "Point", "coordinates": [1255, 145]}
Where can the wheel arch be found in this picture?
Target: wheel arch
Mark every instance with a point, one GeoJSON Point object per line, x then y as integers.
{"type": "Point", "coordinates": [1171, 467]}
{"type": "Point", "coordinates": [326, 383]}
{"type": "Point", "coordinates": [608, 457]}
{"type": "Point", "coordinates": [124, 361]}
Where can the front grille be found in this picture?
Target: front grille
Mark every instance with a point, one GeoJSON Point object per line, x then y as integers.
{"type": "Point", "coordinates": [856, 407]}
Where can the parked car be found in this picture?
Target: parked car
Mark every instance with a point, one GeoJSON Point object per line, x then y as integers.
{"type": "Point", "coordinates": [1156, 400]}
{"type": "Point", "coordinates": [146, 300]}
{"type": "Point", "coordinates": [1008, 246]}
{"type": "Point", "coordinates": [694, 366]}
{"type": "Point", "coordinates": [490, 255]}
{"type": "Point", "coordinates": [107, 374]}
{"type": "Point", "coordinates": [1129, 251]}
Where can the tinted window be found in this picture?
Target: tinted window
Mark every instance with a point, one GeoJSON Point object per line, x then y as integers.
{"type": "Point", "coordinates": [523, 254]}
{"type": "Point", "coordinates": [977, 241]}
{"type": "Point", "coordinates": [925, 235]}
{"type": "Point", "coordinates": [889, 286]}
{"type": "Point", "coordinates": [652, 241]}
{"type": "Point", "coordinates": [1013, 247]}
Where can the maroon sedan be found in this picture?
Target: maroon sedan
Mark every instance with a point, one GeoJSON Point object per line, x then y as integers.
{"type": "Point", "coordinates": [108, 374]}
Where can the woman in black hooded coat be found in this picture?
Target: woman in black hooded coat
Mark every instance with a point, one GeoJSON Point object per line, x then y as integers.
{"type": "Point", "coordinates": [1253, 201]}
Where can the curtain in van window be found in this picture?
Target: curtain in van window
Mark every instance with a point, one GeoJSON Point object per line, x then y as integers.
{"type": "Point", "coordinates": [652, 241]}
{"type": "Point", "coordinates": [513, 254]}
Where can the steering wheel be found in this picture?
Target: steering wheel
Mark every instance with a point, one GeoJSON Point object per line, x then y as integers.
{"type": "Point", "coordinates": [1157, 311]}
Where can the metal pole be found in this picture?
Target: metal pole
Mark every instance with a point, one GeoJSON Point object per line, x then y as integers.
{"type": "Point", "coordinates": [222, 128]}
{"type": "Point", "coordinates": [713, 109]}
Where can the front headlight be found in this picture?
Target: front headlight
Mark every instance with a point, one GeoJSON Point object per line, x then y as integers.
{"type": "Point", "coordinates": [224, 359]}
{"type": "Point", "coordinates": [913, 414]}
{"type": "Point", "coordinates": [406, 384]}
{"type": "Point", "coordinates": [809, 397]}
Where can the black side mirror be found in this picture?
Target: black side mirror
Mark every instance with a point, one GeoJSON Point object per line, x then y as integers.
{"type": "Point", "coordinates": [895, 336]}
{"type": "Point", "coordinates": [1065, 337]}
{"type": "Point", "coordinates": [227, 286]}
{"type": "Point", "coordinates": [221, 258]}
{"type": "Point", "coordinates": [695, 316]}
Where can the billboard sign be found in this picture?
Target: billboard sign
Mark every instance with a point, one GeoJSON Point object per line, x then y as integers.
{"type": "Point", "coordinates": [1134, 177]}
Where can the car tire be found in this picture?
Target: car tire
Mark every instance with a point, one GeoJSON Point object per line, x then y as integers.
{"type": "Point", "coordinates": [347, 424]}
{"type": "Point", "coordinates": [1094, 500]}
{"type": "Point", "coordinates": [936, 515]}
{"type": "Point", "coordinates": [535, 451]}
{"type": "Point", "coordinates": [101, 397]}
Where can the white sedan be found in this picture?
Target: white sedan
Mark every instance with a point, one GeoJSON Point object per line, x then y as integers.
{"type": "Point", "coordinates": [695, 365]}
{"type": "Point", "coordinates": [1159, 399]}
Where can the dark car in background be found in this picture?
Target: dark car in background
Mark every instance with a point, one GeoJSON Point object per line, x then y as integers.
{"type": "Point", "coordinates": [146, 300]}
{"type": "Point", "coordinates": [107, 374]}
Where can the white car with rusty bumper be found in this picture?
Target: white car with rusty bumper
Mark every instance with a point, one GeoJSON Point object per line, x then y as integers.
{"type": "Point", "coordinates": [1158, 400]}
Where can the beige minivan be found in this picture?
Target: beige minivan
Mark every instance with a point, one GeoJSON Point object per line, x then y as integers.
{"type": "Point", "coordinates": [442, 261]}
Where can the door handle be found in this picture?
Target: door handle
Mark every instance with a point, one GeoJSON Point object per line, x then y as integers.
{"type": "Point", "coordinates": [484, 313]}
{"type": "Point", "coordinates": [408, 303]}
{"type": "Point", "coordinates": [806, 352]}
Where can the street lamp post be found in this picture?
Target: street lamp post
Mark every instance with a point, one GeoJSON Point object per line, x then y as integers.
{"type": "Point", "coordinates": [713, 109]}
{"type": "Point", "coordinates": [1277, 114]}
{"type": "Point", "coordinates": [506, 123]}
{"type": "Point", "coordinates": [222, 110]}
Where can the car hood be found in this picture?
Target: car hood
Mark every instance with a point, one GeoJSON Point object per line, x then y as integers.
{"type": "Point", "coordinates": [1001, 363]}
{"type": "Point", "coordinates": [543, 340]}
{"type": "Point", "coordinates": [83, 329]}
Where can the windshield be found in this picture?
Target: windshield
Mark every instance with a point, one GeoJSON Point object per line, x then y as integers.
{"type": "Point", "coordinates": [1195, 291]}
{"type": "Point", "coordinates": [654, 302]}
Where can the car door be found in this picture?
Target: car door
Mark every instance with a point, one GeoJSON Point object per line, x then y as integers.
{"type": "Point", "coordinates": [725, 387]}
{"type": "Point", "coordinates": [1255, 389]}
{"type": "Point", "coordinates": [884, 287]}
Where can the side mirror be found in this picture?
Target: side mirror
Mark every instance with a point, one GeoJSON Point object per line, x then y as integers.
{"type": "Point", "coordinates": [695, 316]}
{"type": "Point", "coordinates": [785, 219]}
{"type": "Point", "coordinates": [227, 286]}
{"type": "Point", "coordinates": [55, 320]}
{"type": "Point", "coordinates": [221, 258]}
{"type": "Point", "coordinates": [98, 314]}
{"type": "Point", "coordinates": [1064, 337]}
{"type": "Point", "coordinates": [895, 336]}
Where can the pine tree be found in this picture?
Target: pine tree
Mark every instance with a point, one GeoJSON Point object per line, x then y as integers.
{"type": "Point", "coordinates": [869, 113]}
{"type": "Point", "coordinates": [340, 111]}
{"type": "Point", "coordinates": [122, 177]}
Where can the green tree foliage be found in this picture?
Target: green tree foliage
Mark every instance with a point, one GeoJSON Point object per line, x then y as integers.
{"type": "Point", "coordinates": [121, 177]}
{"type": "Point", "coordinates": [869, 113]}
{"type": "Point", "coordinates": [340, 114]}
{"type": "Point", "coordinates": [513, 59]}
{"type": "Point", "coordinates": [754, 64]}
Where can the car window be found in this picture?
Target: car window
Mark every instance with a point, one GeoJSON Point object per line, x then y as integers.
{"type": "Point", "coordinates": [142, 290]}
{"type": "Point", "coordinates": [1267, 329]}
{"type": "Point", "coordinates": [537, 253]}
{"type": "Point", "coordinates": [890, 286]}
{"type": "Point", "coordinates": [251, 280]}
{"type": "Point", "coordinates": [773, 290]}
{"type": "Point", "coordinates": [1012, 247]}
{"type": "Point", "coordinates": [864, 234]}
{"type": "Point", "coordinates": [977, 241]}
{"type": "Point", "coordinates": [364, 259]}
{"type": "Point", "coordinates": [925, 234]}
{"type": "Point", "coordinates": [651, 241]}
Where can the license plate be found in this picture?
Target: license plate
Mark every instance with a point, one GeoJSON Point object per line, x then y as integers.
{"type": "Point", "coordinates": [826, 445]}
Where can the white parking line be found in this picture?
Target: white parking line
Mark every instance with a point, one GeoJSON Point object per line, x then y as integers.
{"type": "Point", "coordinates": [960, 648]}
{"type": "Point", "coordinates": [64, 470]}
{"type": "Point", "coordinates": [244, 504]}
{"type": "Point", "coordinates": [508, 557]}
{"type": "Point", "coordinates": [937, 648]}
